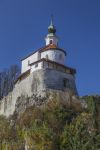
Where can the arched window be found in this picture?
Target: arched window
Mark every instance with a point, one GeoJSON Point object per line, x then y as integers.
{"type": "Point", "coordinates": [51, 42]}
{"type": "Point", "coordinates": [66, 83]}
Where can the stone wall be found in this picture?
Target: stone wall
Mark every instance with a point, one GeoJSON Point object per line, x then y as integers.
{"type": "Point", "coordinates": [39, 83]}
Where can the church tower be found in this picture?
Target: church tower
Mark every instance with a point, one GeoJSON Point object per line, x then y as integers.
{"type": "Point", "coordinates": [51, 38]}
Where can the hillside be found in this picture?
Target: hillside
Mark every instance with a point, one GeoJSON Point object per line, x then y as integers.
{"type": "Point", "coordinates": [56, 125]}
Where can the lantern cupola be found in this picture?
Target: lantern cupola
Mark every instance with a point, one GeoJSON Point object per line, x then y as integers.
{"type": "Point", "coordinates": [51, 37]}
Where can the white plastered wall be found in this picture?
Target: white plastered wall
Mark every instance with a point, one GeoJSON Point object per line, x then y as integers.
{"type": "Point", "coordinates": [54, 55]}
{"type": "Point", "coordinates": [53, 38]}
{"type": "Point", "coordinates": [29, 60]}
{"type": "Point", "coordinates": [37, 66]}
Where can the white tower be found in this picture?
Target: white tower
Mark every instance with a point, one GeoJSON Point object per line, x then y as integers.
{"type": "Point", "coordinates": [51, 38]}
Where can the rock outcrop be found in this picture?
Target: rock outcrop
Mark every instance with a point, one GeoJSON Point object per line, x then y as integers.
{"type": "Point", "coordinates": [36, 88]}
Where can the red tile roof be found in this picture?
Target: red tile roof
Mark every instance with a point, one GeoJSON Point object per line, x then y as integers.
{"type": "Point", "coordinates": [50, 47]}
{"type": "Point", "coordinates": [47, 47]}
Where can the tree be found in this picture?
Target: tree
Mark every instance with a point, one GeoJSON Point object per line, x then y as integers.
{"type": "Point", "coordinates": [79, 135]}
{"type": "Point", "coordinates": [7, 78]}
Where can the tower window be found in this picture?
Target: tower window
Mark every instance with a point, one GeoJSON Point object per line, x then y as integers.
{"type": "Point", "coordinates": [51, 42]}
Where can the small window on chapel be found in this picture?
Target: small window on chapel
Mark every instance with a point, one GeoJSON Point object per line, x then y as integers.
{"type": "Point", "coordinates": [50, 41]}
{"type": "Point", "coordinates": [66, 83]}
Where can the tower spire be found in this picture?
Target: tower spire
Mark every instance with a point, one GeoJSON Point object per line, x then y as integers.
{"type": "Point", "coordinates": [51, 37]}
{"type": "Point", "coordinates": [52, 21]}
{"type": "Point", "coordinates": [51, 28]}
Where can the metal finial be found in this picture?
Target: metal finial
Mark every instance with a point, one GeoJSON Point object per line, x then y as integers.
{"type": "Point", "coordinates": [52, 28]}
{"type": "Point", "coordinates": [52, 20]}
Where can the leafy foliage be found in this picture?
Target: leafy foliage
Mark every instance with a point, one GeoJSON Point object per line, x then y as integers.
{"type": "Point", "coordinates": [54, 126]}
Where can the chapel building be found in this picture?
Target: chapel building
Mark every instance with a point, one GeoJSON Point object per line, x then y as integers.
{"type": "Point", "coordinates": [50, 59]}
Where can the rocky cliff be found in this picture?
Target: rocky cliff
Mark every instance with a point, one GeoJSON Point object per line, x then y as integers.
{"type": "Point", "coordinates": [61, 124]}
{"type": "Point", "coordinates": [36, 88]}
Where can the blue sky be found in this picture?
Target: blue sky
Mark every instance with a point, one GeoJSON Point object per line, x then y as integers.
{"type": "Point", "coordinates": [23, 26]}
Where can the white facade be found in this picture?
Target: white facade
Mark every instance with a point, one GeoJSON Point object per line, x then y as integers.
{"type": "Point", "coordinates": [51, 39]}
{"type": "Point", "coordinates": [54, 55]}
{"type": "Point", "coordinates": [36, 66]}
{"type": "Point", "coordinates": [39, 81]}
{"type": "Point", "coordinates": [29, 60]}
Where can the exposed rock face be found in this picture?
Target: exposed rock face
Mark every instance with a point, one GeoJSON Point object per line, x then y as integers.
{"type": "Point", "coordinates": [38, 86]}
{"type": "Point", "coordinates": [65, 97]}
{"type": "Point", "coordinates": [24, 102]}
